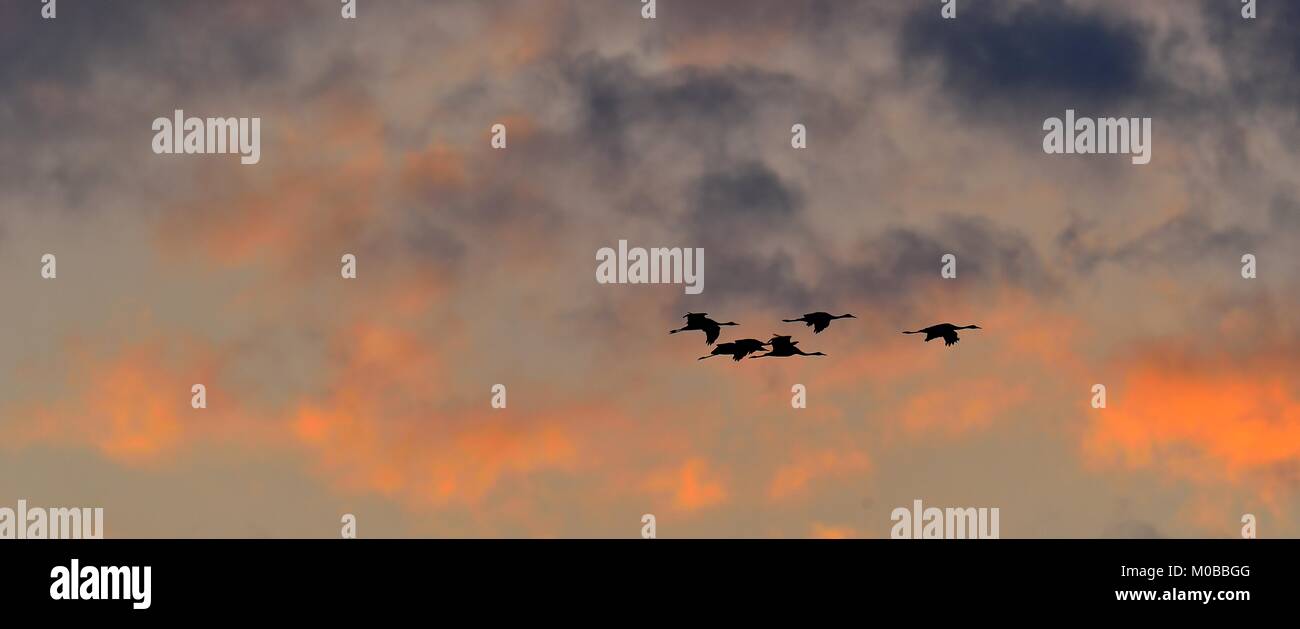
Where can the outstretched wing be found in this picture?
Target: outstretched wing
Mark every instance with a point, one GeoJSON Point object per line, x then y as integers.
{"type": "Point", "coordinates": [711, 334]}
{"type": "Point", "coordinates": [950, 338]}
{"type": "Point", "coordinates": [819, 326]}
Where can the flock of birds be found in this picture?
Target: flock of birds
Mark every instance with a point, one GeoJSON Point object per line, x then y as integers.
{"type": "Point", "coordinates": [783, 346]}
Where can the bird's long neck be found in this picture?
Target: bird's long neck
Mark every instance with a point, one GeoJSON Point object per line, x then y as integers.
{"type": "Point", "coordinates": [729, 323]}
{"type": "Point", "coordinates": [843, 316]}
{"type": "Point", "coordinates": [967, 327]}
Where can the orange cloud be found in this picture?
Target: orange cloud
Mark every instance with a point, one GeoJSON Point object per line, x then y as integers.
{"type": "Point", "coordinates": [386, 425]}
{"type": "Point", "coordinates": [515, 37]}
{"type": "Point", "coordinates": [824, 531]}
{"type": "Point", "coordinates": [436, 167]}
{"type": "Point", "coordinates": [792, 479]}
{"type": "Point", "coordinates": [1211, 417]}
{"type": "Point", "coordinates": [521, 126]}
{"type": "Point", "coordinates": [715, 49]}
{"type": "Point", "coordinates": [691, 485]}
{"type": "Point", "coordinates": [133, 402]}
{"type": "Point", "coordinates": [437, 460]}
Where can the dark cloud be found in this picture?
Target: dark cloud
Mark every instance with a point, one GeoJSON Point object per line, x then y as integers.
{"type": "Point", "coordinates": [749, 195]}
{"type": "Point", "coordinates": [1263, 54]}
{"type": "Point", "coordinates": [899, 260]}
{"type": "Point", "coordinates": [1184, 239]}
{"type": "Point", "coordinates": [1072, 242]}
{"type": "Point", "coordinates": [693, 106]}
{"type": "Point", "coordinates": [65, 49]}
{"type": "Point", "coordinates": [740, 215]}
{"type": "Point", "coordinates": [763, 278]}
{"type": "Point", "coordinates": [60, 92]}
{"type": "Point", "coordinates": [46, 72]}
{"type": "Point", "coordinates": [1045, 54]}
{"type": "Point", "coordinates": [184, 44]}
{"type": "Point", "coordinates": [891, 266]}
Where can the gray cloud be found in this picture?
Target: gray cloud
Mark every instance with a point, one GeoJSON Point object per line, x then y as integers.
{"type": "Point", "coordinates": [1263, 54]}
{"type": "Point", "coordinates": [1184, 239]}
{"type": "Point", "coordinates": [1016, 54]}
{"type": "Point", "coordinates": [749, 196]}
{"type": "Point", "coordinates": [897, 260]}
{"type": "Point", "coordinates": [623, 108]}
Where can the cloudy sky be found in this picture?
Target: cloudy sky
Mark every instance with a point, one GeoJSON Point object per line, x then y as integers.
{"type": "Point", "coordinates": [477, 266]}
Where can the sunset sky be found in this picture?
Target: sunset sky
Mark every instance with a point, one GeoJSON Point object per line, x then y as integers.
{"type": "Point", "coordinates": [477, 266]}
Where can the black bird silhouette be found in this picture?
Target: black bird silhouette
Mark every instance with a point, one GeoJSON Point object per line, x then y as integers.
{"type": "Point", "coordinates": [819, 320]}
{"type": "Point", "coordinates": [698, 321]}
{"type": "Point", "coordinates": [947, 331]}
{"type": "Point", "coordinates": [782, 346]}
{"type": "Point", "coordinates": [738, 349]}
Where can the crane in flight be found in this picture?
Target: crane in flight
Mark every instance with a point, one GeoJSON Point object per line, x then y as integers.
{"type": "Point", "coordinates": [782, 347]}
{"type": "Point", "coordinates": [819, 320]}
{"type": "Point", "coordinates": [699, 321]}
{"type": "Point", "coordinates": [737, 349]}
{"type": "Point", "coordinates": [945, 331]}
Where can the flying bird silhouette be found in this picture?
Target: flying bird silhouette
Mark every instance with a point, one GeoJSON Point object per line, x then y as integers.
{"type": "Point", "coordinates": [738, 349]}
{"type": "Point", "coordinates": [782, 346]}
{"type": "Point", "coordinates": [819, 320]}
{"type": "Point", "coordinates": [698, 321]}
{"type": "Point", "coordinates": [946, 331]}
